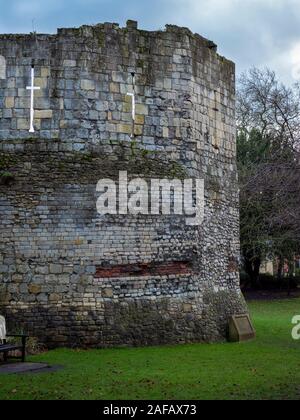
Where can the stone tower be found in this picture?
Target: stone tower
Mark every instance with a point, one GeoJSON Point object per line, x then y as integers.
{"type": "Point", "coordinates": [70, 276]}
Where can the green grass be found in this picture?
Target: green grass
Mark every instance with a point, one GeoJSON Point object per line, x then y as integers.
{"type": "Point", "coordinates": [267, 368]}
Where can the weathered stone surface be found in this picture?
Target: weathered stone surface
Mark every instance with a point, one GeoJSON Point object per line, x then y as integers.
{"type": "Point", "coordinates": [240, 328]}
{"type": "Point", "coordinates": [2, 67]}
{"type": "Point", "coordinates": [72, 277]}
{"type": "Point", "coordinates": [35, 289]}
{"type": "Point", "coordinates": [56, 269]}
{"type": "Point", "coordinates": [87, 84]}
{"type": "Point", "coordinates": [43, 114]}
{"type": "Point", "coordinates": [9, 102]}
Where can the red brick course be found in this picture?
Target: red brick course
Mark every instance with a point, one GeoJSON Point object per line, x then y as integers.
{"type": "Point", "coordinates": [145, 269]}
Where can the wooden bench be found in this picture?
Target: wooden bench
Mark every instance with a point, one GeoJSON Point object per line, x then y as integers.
{"type": "Point", "coordinates": [6, 347]}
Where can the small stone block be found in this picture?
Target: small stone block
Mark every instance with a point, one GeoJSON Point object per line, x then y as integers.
{"type": "Point", "coordinates": [9, 102]}
{"type": "Point", "coordinates": [131, 24]}
{"type": "Point", "coordinates": [240, 328]}
{"type": "Point", "coordinates": [43, 114]}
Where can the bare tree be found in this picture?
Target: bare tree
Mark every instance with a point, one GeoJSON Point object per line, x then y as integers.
{"type": "Point", "coordinates": [268, 158]}
{"type": "Point", "coordinates": [265, 104]}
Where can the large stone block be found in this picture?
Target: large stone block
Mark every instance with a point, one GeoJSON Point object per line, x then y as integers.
{"type": "Point", "coordinates": [9, 102]}
{"type": "Point", "coordinates": [87, 84]}
{"type": "Point", "coordinates": [43, 113]}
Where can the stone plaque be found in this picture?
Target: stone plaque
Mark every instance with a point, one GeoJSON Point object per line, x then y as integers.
{"type": "Point", "coordinates": [241, 328]}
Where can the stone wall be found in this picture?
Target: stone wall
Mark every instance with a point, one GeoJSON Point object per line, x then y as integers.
{"type": "Point", "coordinates": [72, 277]}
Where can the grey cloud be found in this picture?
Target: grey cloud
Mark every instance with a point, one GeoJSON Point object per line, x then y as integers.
{"type": "Point", "coordinates": [250, 32]}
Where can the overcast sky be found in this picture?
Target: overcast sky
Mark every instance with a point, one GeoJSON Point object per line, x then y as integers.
{"type": "Point", "coordinates": [249, 32]}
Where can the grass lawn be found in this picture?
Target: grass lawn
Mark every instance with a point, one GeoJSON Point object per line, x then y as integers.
{"type": "Point", "coordinates": [267, 368]}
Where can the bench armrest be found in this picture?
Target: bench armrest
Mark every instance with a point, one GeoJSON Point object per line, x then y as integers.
{"type": "Point", "coordinates": [23, 338]}
{"type": "Point", "coordinates": [17, 335]}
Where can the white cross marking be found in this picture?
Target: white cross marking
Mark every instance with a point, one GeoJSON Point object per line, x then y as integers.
{"type": "Point", "coordinates": [32, 88]}
{"type": "Point", "coordinates": [133, 104]}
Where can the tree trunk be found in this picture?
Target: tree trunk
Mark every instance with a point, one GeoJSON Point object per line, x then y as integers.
{"type": "Point", "coordinates": [280, 271]}
{"type": "Point", "coordinates": [252, 268]}
{"type": "Point", "coordinates": [256, 270]}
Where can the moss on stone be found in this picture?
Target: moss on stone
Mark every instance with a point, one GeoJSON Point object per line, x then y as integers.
{"type": "Point", "coordinates": [7, 160]}
{"type": "Point", "coordinates": [100, 36]}
{"type": "Point", "coordinates": [4, 295]}
{"type": "Point", "coordinates": [89, 167]}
